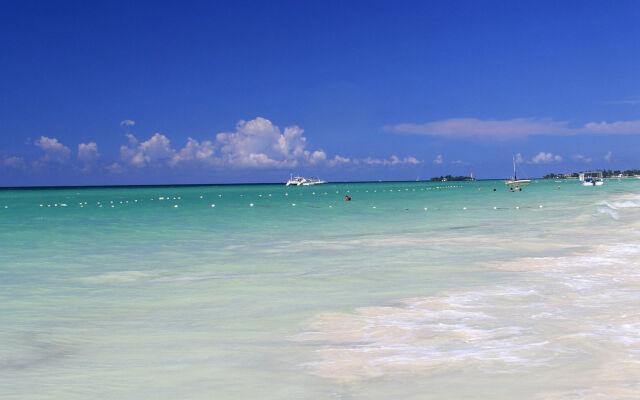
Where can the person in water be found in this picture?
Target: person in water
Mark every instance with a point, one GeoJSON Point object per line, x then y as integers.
{"type": "Point", "coordinates": [347, 198]}
{"type": "Point", "coordinates": [511, 189]}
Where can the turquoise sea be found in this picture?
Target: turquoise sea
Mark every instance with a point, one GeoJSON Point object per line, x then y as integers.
{"type": "Point", "coordinates": [412, 290]}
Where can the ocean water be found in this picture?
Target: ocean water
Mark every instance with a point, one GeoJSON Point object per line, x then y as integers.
{"type": "Point", "coordinates": [412, 290]}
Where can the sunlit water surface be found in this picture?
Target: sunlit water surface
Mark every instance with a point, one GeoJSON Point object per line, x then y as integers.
{"type": "Point", "coordinates": [410, 291]}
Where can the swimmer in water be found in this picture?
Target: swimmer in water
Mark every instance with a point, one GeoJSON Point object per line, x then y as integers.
{"type": "Point", "coordinates": [347, 198]}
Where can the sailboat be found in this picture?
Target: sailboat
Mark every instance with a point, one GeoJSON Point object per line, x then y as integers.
{"type": "Point", "coordinates": [515, 181]}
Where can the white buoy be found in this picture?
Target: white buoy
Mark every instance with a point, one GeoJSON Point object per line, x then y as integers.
{"type": "Point", "coordinates": [517, 207]}
{"type": "Point", "coordinates": [425, 208]}
{"type": "Point", "coordinates": [219, 195]}
{"type": "Point", "coordinates": [250, 204]}
{"type": "Point", "coordinates": [540, 206]}
{"type": "Point", "coordinates": [41, 205]}
{"type": "Point", "coordinates": [175, 206]}
{"type": "Point", "coordinates": [495, 208]}
{"type": "Point", "coordinates": [330, 206]}
{"type": "Point", "coordinates": [293, 204]}
{"type": "Point", "coordinates": [373, 207]}
{"type": "Point", "coordinates": [286, 194]}
{"type": "Point", "coordinates": [213, 205]}
{"type": "Point", "coordinates": [464, 208]}
{"type": "Point", "coordinates": [200, 196]}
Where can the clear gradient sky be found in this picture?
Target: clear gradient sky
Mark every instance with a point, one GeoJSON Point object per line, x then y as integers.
{"type": "Point", "coordinates": [95, 93]}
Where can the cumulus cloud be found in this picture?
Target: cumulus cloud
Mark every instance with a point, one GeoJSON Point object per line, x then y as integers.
{"type": "Point", "coordinates": [338, 160]}
{"type": "Point", "coordinates": [438, 159]}
{"type": "Point", "coordinates": [473, 128]}
{"type": "Point", "coordinates": [156, 150]}
{"type": "Point", "coordinates": [127, 122]}
{"type": "Point", "coordinates": [115, 168]}
{"type": "Point", "coordinates": [395, 160]}
{"type": "Point", "coordinates": [15, 162]}
{"type": "Point", "coordinates": [545, 158]}
{"type": "Point", "coordinates": [54, 150]}
{"type": "Point", "coordinates": [88, 153]}
{"type": "Point", "coordinates": [259, 143]}
{"type": "Point", "coordinates": [253, 144]}
{"type": "Point", "coordinates": [607, 157]}
{"type": "Point", "coordinates": [195, 151]}
{"type": "Point", "coordinates": [580, 157]}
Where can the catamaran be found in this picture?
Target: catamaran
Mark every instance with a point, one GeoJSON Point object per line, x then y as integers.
{"type": "Point", "coordinates": [296, 181]}
{"type": "Point", "coordinates": [300, 181]}
{"type": "Point", "coordinates": [515, 181]}
{"type": "Point", "coordinates": [593, 178]}
{"type": "Point", "coordinates": [313, 181]}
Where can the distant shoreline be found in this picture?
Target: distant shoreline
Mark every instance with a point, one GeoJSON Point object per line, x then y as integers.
{"type": "Point", "coordinates": [169, 185]}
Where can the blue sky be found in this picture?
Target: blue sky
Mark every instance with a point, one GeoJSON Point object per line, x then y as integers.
{"type": "Point", "coordinates": [206, 92]}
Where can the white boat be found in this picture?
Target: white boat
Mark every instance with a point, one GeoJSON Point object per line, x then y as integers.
{"type": "Point", "coordinates": [313, 181]}
{"type": "Point", "coordinates": [515, 181]}
{"type": "Point", "coordinates": [593, 178]}
{"type": "Point", "coordinates": [296, 181]}
{"type": "Point", "coordinates": [301, 181]}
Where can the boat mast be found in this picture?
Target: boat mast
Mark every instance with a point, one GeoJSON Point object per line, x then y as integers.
{"type": "Point", "coordinates": [515, 178]}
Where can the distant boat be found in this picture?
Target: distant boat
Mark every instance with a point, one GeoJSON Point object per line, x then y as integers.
{"type": "Point", "coordinates": [295, 180]}
{"type": "Point", "coordinates": [591, 178]}
{"type": "Point", "coordinates": [515, 181]}
{"type": "Point", "coordinates": [301, 181]}
{"type": "Point", "coordinates": [313, 181]}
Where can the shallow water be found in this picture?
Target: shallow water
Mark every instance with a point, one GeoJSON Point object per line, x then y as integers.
{"type": "Point", "coordinates": [411, 290]}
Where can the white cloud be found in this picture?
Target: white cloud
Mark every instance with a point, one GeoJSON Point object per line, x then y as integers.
{"type": "Point", "coordinates": [259, 143]}
{"type": "Point", "coordinates": [88, 152]}
{"type": "Point", "coordinates": [545, 158]}
{"type": "Point", "coordinates": [254, 144]}
{"type": "Point", "coordinates": [155, 150]}
{"type": "Point", "coordinates": [607, 157]}
{"type": "Point", "coordinates": [53, 149]}
{"type": "Point", "coordinates": [395, 160]}
{"type": "Point", "coordinates": [115, 168]}
{"type": "Point", "coordinates": [15, 162]}
{"type": "Point", "coordinates": [438, 159]}
{"type": "Point", "coordinates": [195, 151]}
{"type": "Point", "coordinates": [473, 128]}
{"type": "Point", "coordinates": [459, 162]}
{"type": "Point", "coordinates": [338, 160]}
{"type": "Point", "coordinates": [127, 122]}
{"type": "Point", "coordinates": [317, 157]}
{"type": "Point", "coordinates": [580, 157]}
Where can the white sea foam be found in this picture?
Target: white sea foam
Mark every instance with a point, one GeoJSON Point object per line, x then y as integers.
{"type": "Point", "coordinates": [564, 308]}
